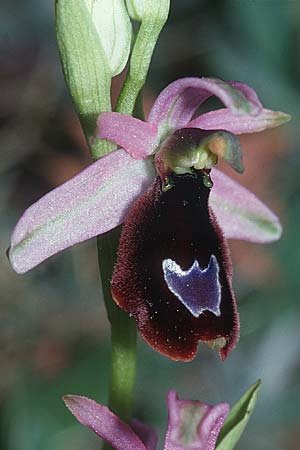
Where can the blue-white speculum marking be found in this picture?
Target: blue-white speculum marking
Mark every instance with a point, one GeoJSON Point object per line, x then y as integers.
{"type": "Point", "coordinates": [198, 289]}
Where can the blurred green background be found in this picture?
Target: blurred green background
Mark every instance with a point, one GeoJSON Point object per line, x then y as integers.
{"type": "Point", "coordinates": [54, 335]}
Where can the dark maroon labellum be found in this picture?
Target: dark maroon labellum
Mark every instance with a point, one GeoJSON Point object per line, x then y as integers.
{"type": "Point", "coordinates": [173, 272]}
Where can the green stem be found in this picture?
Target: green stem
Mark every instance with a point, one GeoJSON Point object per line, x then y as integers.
{"type": "Point", "coordinates": [130, 91]}
{"type": "Point", "coordinates": [123, 333]}
{"type": "Point", "coordinates": [123, 328]}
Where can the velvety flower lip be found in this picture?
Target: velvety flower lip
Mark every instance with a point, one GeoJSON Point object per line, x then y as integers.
{"type": "Point", "coordinates": [192, 425]}
{"type": "Point", "coordinates": [100, 197]}
{"type": "Point", "coordinates": [173, 271]}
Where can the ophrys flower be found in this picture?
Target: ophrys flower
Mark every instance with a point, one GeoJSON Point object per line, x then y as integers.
{"type": "Point", "coordinates": [173, 273]}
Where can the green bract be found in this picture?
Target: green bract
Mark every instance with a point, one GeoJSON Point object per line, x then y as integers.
{"type": "Point", "coordinates": [238, 419]}
{"type": "Point", "coordinates": [94, 43]}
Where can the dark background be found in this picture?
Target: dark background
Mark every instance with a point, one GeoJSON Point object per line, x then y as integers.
{"type": "Point", "coordinates": [54, 335]}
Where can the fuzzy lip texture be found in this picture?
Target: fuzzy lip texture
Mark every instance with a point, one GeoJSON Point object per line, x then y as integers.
{"type": "Point", "coordinates": [192, 425]}
{"type": "Point", "coordinates": [103, 195]}
{"type": "Point", "coordinates": [176, 225]}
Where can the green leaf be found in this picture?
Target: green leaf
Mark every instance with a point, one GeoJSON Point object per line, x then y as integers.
{"type": "Point", "coordinates": [85, 66]}
{"type": "Point", "coordinates": [238, 419]}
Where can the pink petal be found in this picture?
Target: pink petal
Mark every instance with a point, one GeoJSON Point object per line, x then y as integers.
{"type": "Point", "coordinates": [93, 202]}
{"type": "Point", "coordinates": [240, 214]}
{"type": "Point", "coordinates": [138, 138]}
{"type": "Point", "coordinates": [103, 422]}
{"type": "Point", "coordinates": [225, 119]}
{"type": "Point", "coordinates": [146, 433]}
{"type": "Point", "coordinates": [177, 103]}
{"type": "Point", "coordinates": [192, 424]}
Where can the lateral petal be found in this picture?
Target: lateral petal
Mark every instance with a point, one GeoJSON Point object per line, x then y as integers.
{"type": "Point", "coordinates": [225, 119]}
{"type": "Point", "coordinates": [240, 214]}
{"type": "Point", "coordinates": [103, 422]}
{"type": "Point", "coordinates": [93, 202]}
{"type": "Point", "coordinates": [138, 138]}
{"type": "Point", "coordinates": [177, 103]}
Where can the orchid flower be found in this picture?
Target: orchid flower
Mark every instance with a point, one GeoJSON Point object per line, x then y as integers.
{"type": "Point", "coordinates": [173, 272]}
{"type": "Point", "coordinates": [192, 425]}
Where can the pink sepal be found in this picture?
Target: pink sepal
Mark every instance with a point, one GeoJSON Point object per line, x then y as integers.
{"type": "Point", "coordinates": [93, 202]}
{"type": "Point", "coordinates": [240, 214]}
{"type": "Point", "coordinates": [104, 423]}
{"type": "Point", "coordinates": [177, 103]}
{"type": "Point", "coordinates": [225, 119]}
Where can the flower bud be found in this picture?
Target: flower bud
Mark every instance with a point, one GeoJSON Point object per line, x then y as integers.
{"type": "Point", "coordinates": [94, 42]}
{"type": "Point", "coordinates": [113, 26]}
{"type": "Point", "coordinates": [135, 9]}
